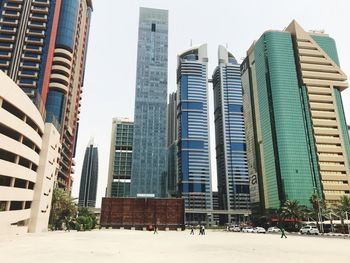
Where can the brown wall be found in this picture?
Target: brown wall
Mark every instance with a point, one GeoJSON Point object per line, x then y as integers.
{"type": "Point", "coordinates": [142, 212]}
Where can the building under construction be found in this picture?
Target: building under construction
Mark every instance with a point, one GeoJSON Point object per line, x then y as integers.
{"type": "Point", "coordinates": [141, 213]}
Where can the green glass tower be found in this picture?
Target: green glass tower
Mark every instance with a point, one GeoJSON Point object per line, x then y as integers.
{"type": "Point", "coordinates": [295, 126]}
{"type": "Point", "coordinates": [119, 173]}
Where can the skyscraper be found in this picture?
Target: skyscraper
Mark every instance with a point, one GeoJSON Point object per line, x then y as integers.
{"type": "Point", "coordinates": [149, 148]}
{"type": "Point", "coordinates": [296, 128]}
{"type": "Point", "coordinates": [43, 49]}
{"type": "Point", "coordinates": [231, 158]}
{"type": "Point", "coordinates": [89, 177]}
{"type": "Point", "coordinates": [172, 175]}
{"type": "Point", "coordinates": [120, 158]}
{"type": "Point", "coordinates": [193, 133]}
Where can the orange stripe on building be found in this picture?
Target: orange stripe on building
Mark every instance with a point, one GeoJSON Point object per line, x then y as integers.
{"type": "Point", "coordinates": [51, 50]}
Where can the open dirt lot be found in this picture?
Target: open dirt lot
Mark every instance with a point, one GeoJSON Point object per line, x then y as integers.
{"type": "Point", "coordinates": [145, 247]}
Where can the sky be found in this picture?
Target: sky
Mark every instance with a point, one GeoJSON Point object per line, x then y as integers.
{"type": "Point", "coordinates": [110, 75]}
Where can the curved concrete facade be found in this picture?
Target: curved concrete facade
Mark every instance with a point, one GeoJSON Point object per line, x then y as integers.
{"type": "Point", "coordinates": [23, 135]}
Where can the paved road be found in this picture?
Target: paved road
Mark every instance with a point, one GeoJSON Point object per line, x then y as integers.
{"type": "Point", "coordinates": [145, 247]}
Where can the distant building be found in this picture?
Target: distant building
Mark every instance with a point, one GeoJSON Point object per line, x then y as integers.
{"type": "Point", "coordinates": [120, 158]}
{"type": "Point", "coordinates": [296, 131]}
{"type": "Point", "coordinates": [193, 134]}
{"type": "Point", "coordinates": [172, 175]}
{"type": "Point", "coordinates": [89, 177]}
{"type": "Point", "coordinates": [29, 150]}
{"type": "Point", "coordinates": [149, 147]}
{"type": "Point", "coordinates": [231, 157]}
{"type": "Point", "coordinates": [43, 49]}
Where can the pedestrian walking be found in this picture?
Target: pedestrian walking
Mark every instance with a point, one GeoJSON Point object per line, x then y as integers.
{"type": "Point", "coordinates": [200, 229]}
{"type": "Point", "coordinates": [203, 230]}
{"type": "Point", "coordinates": [155, 230]}
{"type": "Point", "coordinates": [192, 230]}
{"type": "Point", "coordinates": [283, 234]}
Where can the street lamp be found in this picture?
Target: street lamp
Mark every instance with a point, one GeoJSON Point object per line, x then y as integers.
{"type": "Point", "coordinates": [347, 222]}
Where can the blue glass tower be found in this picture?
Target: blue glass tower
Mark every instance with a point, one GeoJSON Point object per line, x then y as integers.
{"type": "Point", "coordinates": [231, 157]}
{"type": "Point", "coordinates": [149, 146]}
{"type": "Point", "coordinates": [193, 133]}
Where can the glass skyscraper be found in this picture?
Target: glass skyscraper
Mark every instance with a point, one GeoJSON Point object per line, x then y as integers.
{"type": "Point", "coordinates": [296, 129]}
{"type": "Point", "coordinates": [172, 176]}
{"type": "Point", "coordinates": [89, 177]}
{"type": "Point", "coordinates": [193, 133]}
{"type": "Point", "coordinates": [231, 157]}
{"type": "Point", "coordinates": [43, 47]}
{"type": "Point", "coordinates": [149, 147]}
{"type": "Point", "coordinates": [120, 158]}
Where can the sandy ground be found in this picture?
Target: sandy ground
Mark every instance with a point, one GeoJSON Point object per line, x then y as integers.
{"type": "Point", "coordinates": [145, 247]}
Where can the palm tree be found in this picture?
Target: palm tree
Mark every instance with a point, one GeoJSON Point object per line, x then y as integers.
{"type": "Point", "coordinates": [318, 208]}
{"type": "Point", "coordinates": [293, 210]}
{"type": "Point", "coordinates": [341, 208]}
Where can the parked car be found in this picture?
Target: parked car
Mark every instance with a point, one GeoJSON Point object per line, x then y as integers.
{"type": "Point", "coordinates": [259, 229]}
{"type": "Point", "coordinates": [309, 230]}
{"type": "Point", "coordinates": [273, 229]}
{"type": "Point", "coordinates": [233, 228]}
{"type": "Point", "coordinates": [247, 229]}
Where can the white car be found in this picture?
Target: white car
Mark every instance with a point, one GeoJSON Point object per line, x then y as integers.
{"type": "Point", "coordinates": [234, 228]}
{"type": "Point", "coordinates": [247, 229]}
{"type": "Point", "coordinates": [309, 230]}
{"type": "Point", "coordinates": [259, 229]}
{"type": "Point", "coordinates": [273, 229]}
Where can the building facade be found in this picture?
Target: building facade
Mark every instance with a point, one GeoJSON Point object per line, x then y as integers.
{"type": "Point", "coordinates": [193, 133]}
{"type": "Point", "coordinates": [29, 150]}
{"type": "Point", "coordinates": [149, 147]}
{"type": "Point", "coordinates": [120, 158]}
{"type": "Point", "coordinates": [89, 177]}
{"type": "Point", "coordinates": [172, 176]}
{"type": "Point", "coordinates": [43, 48]}
{"type": "Point", "coordinates": [296, 129]}
{"type": "Point", "coordinates": [231, 157]}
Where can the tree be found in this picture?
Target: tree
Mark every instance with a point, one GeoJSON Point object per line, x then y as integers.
{"type": "Point", "coordinates": [341, 208]}
{"type": "Point", "coordinates": [63, 209]}
{"type": "Point", "coordinates": [318, 208]}
{"type": "Point", "coordinates": [293, 210]}
{"type": "Point", "coordinates": [86, 220]}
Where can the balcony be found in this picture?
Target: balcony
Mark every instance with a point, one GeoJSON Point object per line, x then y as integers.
{"type": "Point", "coordinates": [8, 30]}
{"type": "Point", "coordinates": [30, 85]}
{"type": "Point", "coordinates": [10, 14]}
{"type": "Point", "coordinates": [31, 57]}
{"type": "Point", "coordinates": [31, 66]}
{"type": "Point", "coordinates": [40, 10]}
{"type": "Point", "coordinates": [12, 6]}
{"type": "Point", "coordinates": [41, 3]}
{"type": "Point", "coordinates": [37, 25]}
{"type": "Point", "coordinates": [6, 56]}
{"type": "Point", "coordinates": [6, 46]}
{"type": "Point", "coordinates": [5, 38]}
{"type": "Point", "coordinates": [34, 41]}
{"type": "Point", "coordinates": [38, 17]}
{"type": "Point", "coordinates": [25, 75]}
{"type": "Point", "coordinates": [40, 33]}
{"type": "Point", "coordinates": [9, 22]}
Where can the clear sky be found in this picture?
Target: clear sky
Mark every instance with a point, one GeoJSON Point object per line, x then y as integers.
{"type": "Point", "coordinates": [109, 87]}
